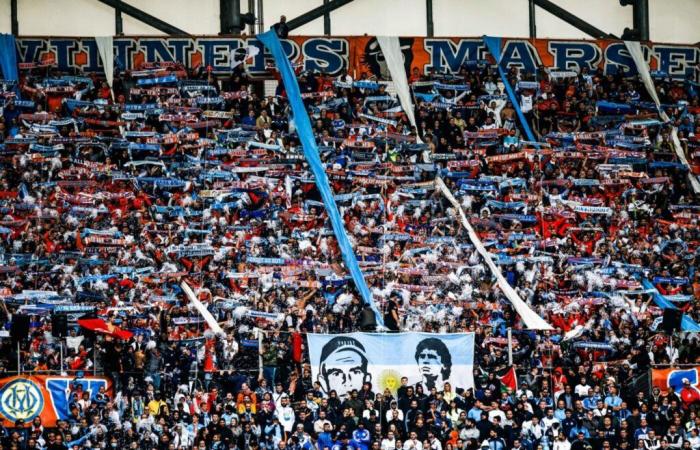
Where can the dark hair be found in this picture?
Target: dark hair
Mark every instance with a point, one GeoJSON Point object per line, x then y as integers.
{"type": "Point", "coordinates": [441, 349]}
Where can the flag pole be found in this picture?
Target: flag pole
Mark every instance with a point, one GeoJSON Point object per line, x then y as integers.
{"type": "Point", "coordinates": [510, 347]}
{"type": "Point", "coordinates": [260, 354]}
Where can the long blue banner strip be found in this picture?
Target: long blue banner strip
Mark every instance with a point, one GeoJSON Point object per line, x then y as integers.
{"type": "Point", "coordinates": [311, 153]}
{"type": "Point", "coordinates": [494, 46]}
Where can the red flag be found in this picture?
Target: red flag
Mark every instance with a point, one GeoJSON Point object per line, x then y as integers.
{"type": "Point", "coordinates": [209, 363]}
{"type": "Point", "coordinates": [79, 241]}
{"type": "Point", "coordinates": [510, 379]}
{"type": "Point", "coordinates": [296, 347]}
{"type": "Point", "coordinates": [100, 326]}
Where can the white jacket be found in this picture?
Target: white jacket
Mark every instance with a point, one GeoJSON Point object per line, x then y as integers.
{"type": "Point", "coordinates": [285, 414]}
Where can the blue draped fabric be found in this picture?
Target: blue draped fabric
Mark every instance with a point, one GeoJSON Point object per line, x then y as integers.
{"type": "Point", "coordinates": [8, 57]}
{"type": "Point", "coordinates": [494, 46]}
{"type": "Point", "coordinates": [687, 324]}
{"type": "Point", "coordinates": [308, 142]}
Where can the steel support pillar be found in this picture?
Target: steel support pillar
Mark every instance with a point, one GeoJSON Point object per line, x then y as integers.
{"type": "Point", "coordinates": [225, 16]}
{"type": "Point", "coordinates": [118, 22]}
{"type": "Point", "coordinates": [533, 20]}
{"type": "Point", "coordinates": [260, 17]}
{"type": "Point", "coordinates": [430, 31]}
{"type": "Point", "coordinates": [230, 17]}
{"type": "Point", "coordinates": [251, 9]}
{"type": "Point", "coordinates": [326, 20]}
{"type": "Point", "coordinates": [13, 17]}
{"type": "Point", "coordinates": [641, 19]}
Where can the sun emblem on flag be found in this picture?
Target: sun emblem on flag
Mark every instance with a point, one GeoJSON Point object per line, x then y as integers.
{"type": "Point", "coordinates": [390, 379]}
{"type": "Point", "coordinates": [21, 399]}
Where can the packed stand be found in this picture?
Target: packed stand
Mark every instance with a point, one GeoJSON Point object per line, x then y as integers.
{"type": "Point", "coordinates": [107, 205]}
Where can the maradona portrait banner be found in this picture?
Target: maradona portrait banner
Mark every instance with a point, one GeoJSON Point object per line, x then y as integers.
{"type": "Point", "coordinates": [343, 362]}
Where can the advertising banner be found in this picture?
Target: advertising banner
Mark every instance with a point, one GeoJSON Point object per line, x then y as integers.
{"type": "Point", "coordinates": [357, 54]}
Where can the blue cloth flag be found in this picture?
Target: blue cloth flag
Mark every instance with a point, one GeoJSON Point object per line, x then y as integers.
{"type": "Point", "coordinates": [311, 153]}
{"type": "Point", "coordinates": [494, 46]}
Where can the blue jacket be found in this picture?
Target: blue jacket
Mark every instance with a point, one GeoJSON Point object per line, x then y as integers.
{"type": "Point", "coordinates": [325, 440]}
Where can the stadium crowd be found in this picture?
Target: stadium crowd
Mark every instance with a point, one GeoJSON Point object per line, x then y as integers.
{"type": "Point", "coordinates": [111, 198]}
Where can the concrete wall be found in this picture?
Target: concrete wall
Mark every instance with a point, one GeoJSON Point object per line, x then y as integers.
{"type": "Point", "coordinates": [670, 20]}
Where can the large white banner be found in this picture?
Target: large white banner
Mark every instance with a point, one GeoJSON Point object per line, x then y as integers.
{"type": "Point", "coordinates": [343, 362]}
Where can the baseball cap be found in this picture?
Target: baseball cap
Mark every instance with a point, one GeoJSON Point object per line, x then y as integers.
{"type": "Point", "coordinates": [339, 343]}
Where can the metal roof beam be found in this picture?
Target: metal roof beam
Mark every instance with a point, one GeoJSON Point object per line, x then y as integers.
{"type": "Point", "coordinates": [315, 13]}
{"type": "Point", "coordinates": [145, 17]}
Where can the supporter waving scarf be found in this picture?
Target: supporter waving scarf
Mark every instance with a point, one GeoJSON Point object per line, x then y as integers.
{"type": "Point", "coordinates": [311, 153]}
{"type": "Point", "coordinates": [494, 46]}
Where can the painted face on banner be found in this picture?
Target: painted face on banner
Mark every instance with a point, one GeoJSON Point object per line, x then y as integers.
{"type": "Point", "coordinates": [343, 366]}
{"type": "Point", "coordinates": [429, 363]}
{"type": "Point", "coordinates": [434, 363]}
{"type": "Point", "coordinates": [344, 371]}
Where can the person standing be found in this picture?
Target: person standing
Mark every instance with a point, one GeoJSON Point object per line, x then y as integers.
{"type": "Point", "coordinates": [391, 316]}
{"type": "Point", "coordinates": [689, 394]}
{"type": "Point", "coordinates": [281, 28]}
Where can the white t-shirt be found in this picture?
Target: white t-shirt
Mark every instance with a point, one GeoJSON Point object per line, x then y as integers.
{"type": "Point", "coordinates": [285, 414]}
{"type": "Point", "coordinates": [497, 413]}
{"type": "Point", "coordinates": [547, 422]}
{"type": "Point", "coordinates": [389, 444]}
{"type": "Point", "coordinates": [74, 342]}
{"type": "Point", "coordinates": [412, 445]}
{"type": "Point", "coordinates": [582, 390]}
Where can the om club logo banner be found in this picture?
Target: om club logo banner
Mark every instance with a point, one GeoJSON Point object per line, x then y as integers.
{"type": "Point", "coordinates": [49, 397]}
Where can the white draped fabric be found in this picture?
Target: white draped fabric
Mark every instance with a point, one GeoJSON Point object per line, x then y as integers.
{"type": "Point", "coordinates": [213, 325]}
{"type": "Point", "coordinates": [105, 46]}
{"type": "Point", "coordinates": [635, 51]}
{"type": "Point", "coordinates": [530, 318]}
{"type": "Point", "coordinates": [391, 49]}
